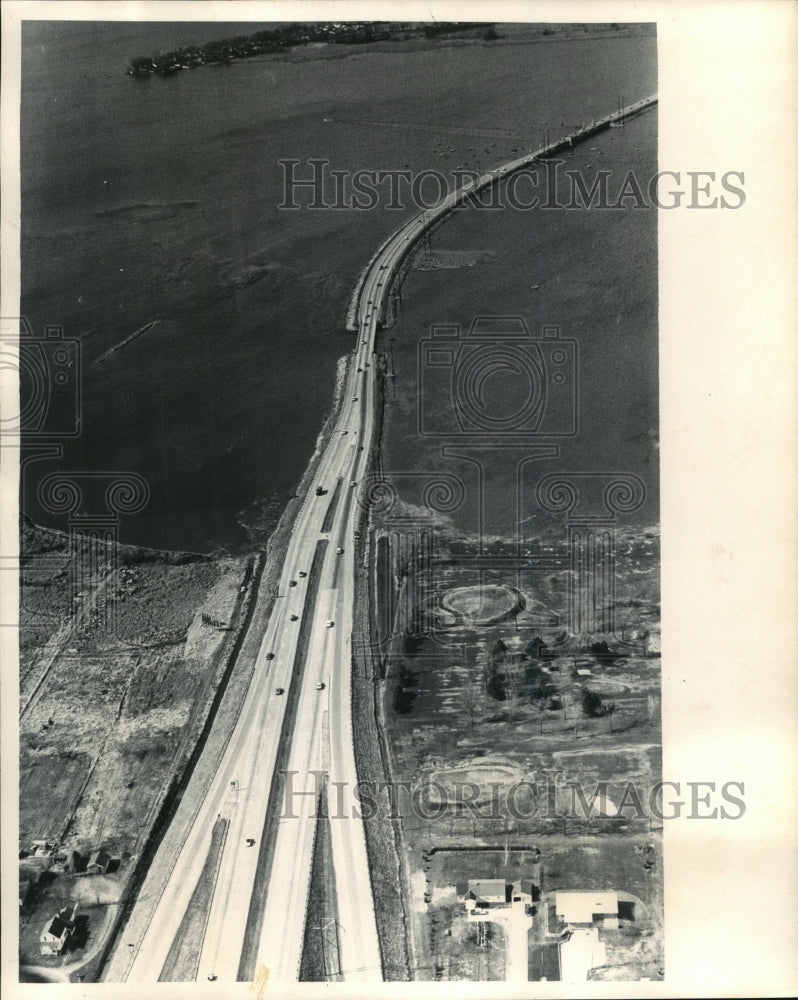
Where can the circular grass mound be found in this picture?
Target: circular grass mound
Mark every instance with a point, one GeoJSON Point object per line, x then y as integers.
{"type": "Point", "coordinates": [483, 605]}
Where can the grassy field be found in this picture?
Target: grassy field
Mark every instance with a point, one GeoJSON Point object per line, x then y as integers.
{"type": "Point", "coordinates": [112, 702]}
{"type": "Point", "coordinates": [320, 950]}
{"type": "Point", "coordinates": [184, 955]}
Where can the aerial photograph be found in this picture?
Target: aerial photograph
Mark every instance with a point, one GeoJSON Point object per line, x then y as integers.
{"type": "Point", "coordinates": [339, 544]}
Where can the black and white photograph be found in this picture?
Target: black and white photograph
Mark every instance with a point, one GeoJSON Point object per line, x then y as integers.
{"type": "Point", "coordinates": [386, 596]}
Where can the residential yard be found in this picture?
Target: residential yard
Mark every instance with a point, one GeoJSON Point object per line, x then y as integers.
{"type": "Point", "coordinates": [114, 698]}
{"type": "Point", "coordinates": [97, 897]}
{"type": "Point", "coordinates": [500, 720]}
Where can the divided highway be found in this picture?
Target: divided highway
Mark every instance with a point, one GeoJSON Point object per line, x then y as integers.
{"type": "Point", "coordinates": [322, 738]}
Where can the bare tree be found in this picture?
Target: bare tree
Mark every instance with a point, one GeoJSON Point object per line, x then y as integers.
{"type": "Point", "coordinates": [499, 652]}
{"type": "Point", "coordinates": [489, 668]}
{"type": "Point", "coordinates": [469, 696]}
{"type": "Point", "coordinates": [577, 716]}
{"type": "Point", "coordinates": [541, 707]}
{"type": "Point", "coordinates": [563, 684]}
{"type": "Point", "coordinates": [512, 687]}
{"type": "Point", "coordinates": [609, 710]}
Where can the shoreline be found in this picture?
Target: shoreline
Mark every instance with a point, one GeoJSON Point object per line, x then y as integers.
{"type": "Point", "coordinates": [278, 539]}
{"type": "Point", "coordinates": [395, 37]}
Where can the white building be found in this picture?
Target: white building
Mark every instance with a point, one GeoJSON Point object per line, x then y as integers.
{"type": "Point", "coordinates": [587, 908]}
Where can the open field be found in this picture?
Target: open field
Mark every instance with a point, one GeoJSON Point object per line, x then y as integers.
{"type": "Point", "coordinates": [485, 721]}
{"type": "Point", "coordinates": [114, 700]}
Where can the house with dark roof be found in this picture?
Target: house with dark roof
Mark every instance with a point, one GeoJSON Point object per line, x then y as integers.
{"type": "Point", "coordinates": [99, 862]}
{"type": "Point", "coordinates": [484, 893]}
{"type": "Point", "coordinates": [57, 931]}
{"type": "Point", "coordinates": [493, 893]}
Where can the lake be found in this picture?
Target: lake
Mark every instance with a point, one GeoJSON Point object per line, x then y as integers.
{"type": "Point", "coordinates": [156, 200]}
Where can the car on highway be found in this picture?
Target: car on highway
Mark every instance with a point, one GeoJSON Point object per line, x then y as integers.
{"type": "Point", "coordinates": [279, 690]}
{"type": "Point", "coordinates": [270, 656]}
{"type": "Point", "coordinates": [320, 686]}
{"type": "Point", "coordinates": [250, 841]}
{"type": "Point", "coordinates": [353, 483]}
{"type": "Point", "coordinates": [330, 623]}
{"type": "Point", "coordinates": [292, 583]}
{"type": "Point", "coordinates": [339, 550]}
{"type": "Point", "coordinates": [294, 617]}
{"type": "Point", "coordinates": [354, 399]}
{"type": "Point", "coordinates": [302, 573]}
{"type": "Point", "coordinates": [211, 976]}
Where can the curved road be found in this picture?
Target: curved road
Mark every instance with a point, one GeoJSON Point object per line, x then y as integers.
{"type": "Point", "coordinates": [322, 738]}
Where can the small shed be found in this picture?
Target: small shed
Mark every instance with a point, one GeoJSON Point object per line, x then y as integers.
{"type": "Point", "coordinates": [99, 862]}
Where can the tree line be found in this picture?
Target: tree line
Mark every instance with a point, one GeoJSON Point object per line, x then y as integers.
{"type": "Point", "coordinates": [224, 50]}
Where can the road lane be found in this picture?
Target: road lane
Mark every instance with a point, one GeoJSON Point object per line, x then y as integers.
{"type": "Point", "coordinates": [252, 751]}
